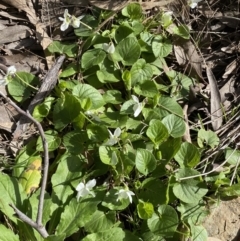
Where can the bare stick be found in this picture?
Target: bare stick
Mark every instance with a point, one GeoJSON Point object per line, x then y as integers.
{"type": "Point", "coordinates": [38, 224]}
{"type": "Point", "coordinates": [30, 222]}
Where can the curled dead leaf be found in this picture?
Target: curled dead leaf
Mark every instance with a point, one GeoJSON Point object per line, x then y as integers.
{"type": "Point", "coordinates": [216, 108]}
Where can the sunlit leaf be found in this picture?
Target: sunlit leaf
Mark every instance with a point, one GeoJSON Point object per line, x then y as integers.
{"type": "Point", "coordinates": [175, 125]}
{"type": "Point", "coordinates": [141, 71]}
{"type": "Point", "coordinates": [101, 221]}
{"type": "Point", "coordinates": [7, 234]}
{"type": "Point", "coordinates": [20, 87]}
{"type": "Point", "coordinates": [52, 139]}
{"type": "Point", "coordinates": [65, 111]}
{"type": "Point", "coordinates": [84, 91]}
{"type": "Point", "coordinates": [145, 210]}
{"type": "Point", "coordinates": [75, 215]}
{"type": "Point", "coordinates": [11, 193]}
{"type": "Point", "coordinates": [129, 50]}
{"type": "Point", "coordinates": [92, 57]}
{"type": "Point", "coordinates": [145, 161]}
{"type": "Point", "coordinates": [188, 155]}
{"type": "Point", "coordinates": [31, 176]}
{"type": "Point", "coordinates": [165, 222]}
{"type": "Point", "coordinates": [161, 46]}
{"type": "Point", "coordinates": [69, 168]}
{"type": "Point", "coordinates": [68, 48]}
{"type": "Point", "coordinates": [157, 132]}
{"type": "Point", "coordinates": [207, 137]}
{"type": "Point", "coordinates": [189, 190]}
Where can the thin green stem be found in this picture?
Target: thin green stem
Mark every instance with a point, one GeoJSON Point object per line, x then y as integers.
{"type": "Point", "coordinates": [26, 82]}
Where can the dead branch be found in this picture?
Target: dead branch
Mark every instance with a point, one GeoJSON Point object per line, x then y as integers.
{"type": "Point", "coordinates": [38, 223]}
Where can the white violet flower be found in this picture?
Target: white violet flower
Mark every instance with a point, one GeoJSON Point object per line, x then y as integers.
{"type": "Point", "coordinates": [66, 20]}
{"type": "Point", "coordinates": [113, 137]}
{"type": "Point", "coordinates": [109, 48]}
{"type": "Point", "coordinates": [69, 20]}
{"type": "Point", "coordinates": [137, 107]}
{"type": "Point", "coordinates": [193, 3]}
{"type": "Point", "coordinates": [125, 194]}
{"type": "Point", "coordinates": [10, 72]}
{"type": "Point", "coordinates": [76, 21]}
{"type": "Point", "coordinates": [85, 189]}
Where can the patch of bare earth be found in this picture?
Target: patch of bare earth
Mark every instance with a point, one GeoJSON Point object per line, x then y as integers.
{"type": "Point", "coordinates": [224, 221]}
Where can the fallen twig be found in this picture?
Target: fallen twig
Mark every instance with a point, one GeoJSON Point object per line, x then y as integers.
{"type": "Point", "coordinates": [38, 223]}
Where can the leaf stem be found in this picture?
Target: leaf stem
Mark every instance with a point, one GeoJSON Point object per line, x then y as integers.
{"type": "Point", "coordinates": [26, 82]}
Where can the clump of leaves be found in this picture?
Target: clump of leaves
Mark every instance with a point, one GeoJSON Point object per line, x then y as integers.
{"type": "Point", "coordinates": [120, 169]}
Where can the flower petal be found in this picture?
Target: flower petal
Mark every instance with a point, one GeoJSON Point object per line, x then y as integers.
{"type": "Point", "coordinates": [137, 109]}
{"type": "Point", "coordinates": [122, 194]}
{"type": "Point", "coordinates": [92, 193]}
{"type": "Point", "coordinates": [64, 26]}
{"type": "Point", "coordinates": [193, 5]}
{"type": "Point", "coordinates": [110, 142]}
{"type": "Point", "coordinates": [130, 197]}
{"type": "Point", "coordinates": [105, 47]}
{"type": "Point", "coordinates": [83, 192]}
{"type": "Point", "coordinates": [11, 70]}
{"type": "Point", "coordinates": [111, 134]}
{"type": "Point", "coordinates": [81, 17]}
{"type": "Point", "coordinates": [75, 22]}
{"type": "Point", "coordinates": [3, 82]}
{"type": "Point", "coordinates": [109, 48]}
{"type": "Point", "coordinates": [90, 184]}
{"type": "Point", "coordinates": [117, 132]}
{"type": "Point", "coordinates": [80, 186]}
{"type": "Point", "coordinates": [66, 13]}
{"type": "Point", "coordinates": [78, 196]}
{"type": "Point", "coordinates": [135, 98]}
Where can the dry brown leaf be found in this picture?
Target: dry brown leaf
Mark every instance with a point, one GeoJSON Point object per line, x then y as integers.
{"type": "Point", "coordinates": [213, 239]}
{"type": "Point", "coordinates": [216, 110]}
{"type": "Point", "coordinates": [44, 39]}
{"type": "Point", "coordinates": [27, 7]}
{"type": "Point", "coordinates": [118, 5]}
{"type": "Point", "coordinates": [151, 4]}
{"type": "Point", "coordinates": [115, 5]}
{"type": "Point", "coordinates": [20, 4]}
{"type": "Point", "coordinates": [23, 61]}
{"type": "Point", "coordinates": [187, 55]}
{"type": "Point", "coordinates": [231, 68]}
{"type": "Point", "coordinates": [180, 55]}
{"type": "Point", "coordinates": [11, 16]}
{"type": "Point", "coordinates": [2, 6]}
{"type": "Point", "coordinates": [6, 120]}
{"type": "Point", "coordinates": [14, 33]}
